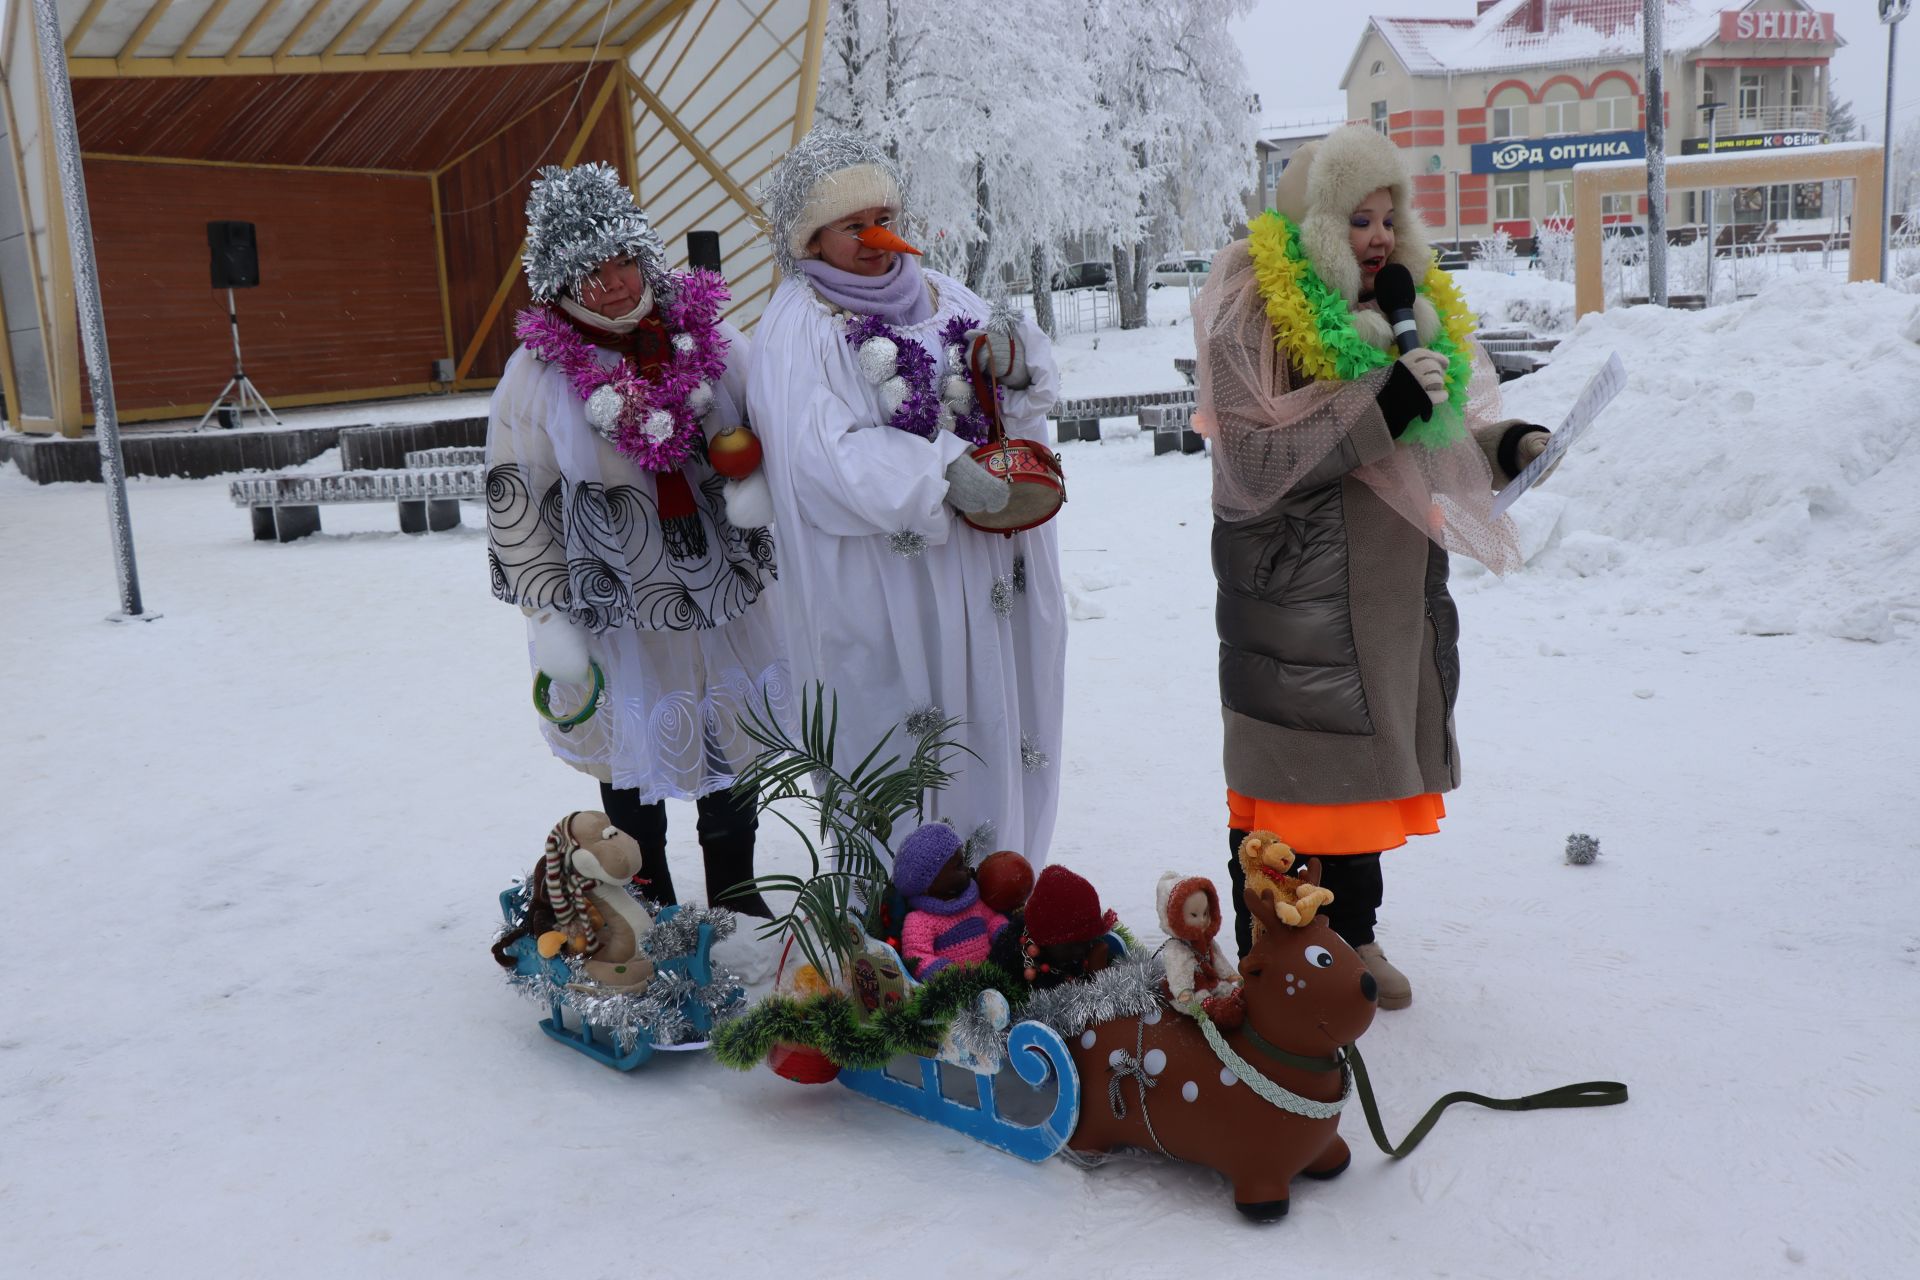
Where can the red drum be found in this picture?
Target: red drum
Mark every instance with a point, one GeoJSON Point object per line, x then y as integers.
{"type": "Point", "coordinates": [1033, 472]}
{"type": "Point", "coordinates": [1030, 469]}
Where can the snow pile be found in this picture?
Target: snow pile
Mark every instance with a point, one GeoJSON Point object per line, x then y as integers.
{"type": "Point", "coordinates": [1764, 454]}
{"type": "Point", "coordinates": [1521, 298]}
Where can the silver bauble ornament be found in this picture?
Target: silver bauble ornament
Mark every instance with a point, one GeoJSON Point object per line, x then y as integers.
{"type": "Point", "coordinates": [894, 392]}
{"type": "Point", "coordinates": [658, 426]}
{"type": "Point", "coordinates": [879, 359]}
{"type": "Point", "coordinates": [603, 407]}
{"type": "Point", "coordinates": [700, 399]}
{"type": "Point", "coordinates": [957, 392]}
{"type": "Point", "coordinates": [956, 358]}
{"type": "Point", "coordinates": [683, 343]}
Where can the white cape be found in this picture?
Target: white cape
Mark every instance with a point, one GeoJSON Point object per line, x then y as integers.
{"type": "Point", "coordinates": [889, 599]}
{"type": "Point", "coordinates": [686, 637]}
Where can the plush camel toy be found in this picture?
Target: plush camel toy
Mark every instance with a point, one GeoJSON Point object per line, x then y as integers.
{"type": "Point", "coordinates": [1266, 859]}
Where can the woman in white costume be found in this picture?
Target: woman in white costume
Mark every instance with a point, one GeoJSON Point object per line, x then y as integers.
{"type": "Point", "coordinates": [892, 602]}
{"type": "Point", "coordinates": [609, 526]}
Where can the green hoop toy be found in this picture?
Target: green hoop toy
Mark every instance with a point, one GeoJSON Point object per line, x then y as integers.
{"type": "Point", "coordinates": [543, 684]}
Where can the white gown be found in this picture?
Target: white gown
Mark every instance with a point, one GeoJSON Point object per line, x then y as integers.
{"type": "Point", "coordinates": [889, 598]}
{"type": "Point", "coordinates": [686, 635]}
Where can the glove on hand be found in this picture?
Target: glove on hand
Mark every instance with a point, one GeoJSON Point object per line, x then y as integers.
{"type": "Point", "coordinates": [973, 489]}
{"type": "Point", "coordinates": [749, 501]}
{"type": "Point", "coordinates": [559, 647]}
{"type": "Point", "coordinates": [1006, 358]}
{"type": "Point", "coordinates": [1522, 443]}
{"type": "Point", "coordinates": [1430, 368]}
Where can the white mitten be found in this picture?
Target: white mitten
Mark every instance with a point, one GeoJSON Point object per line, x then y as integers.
{"type": "Point", "coordinates": [973, 489]}
{"type": "Point", "coordinates": [749, 501]}
{"type": "Point", "coordinates": [559, 647]}
{"type": "Point", "coordinates": [1006, 358]}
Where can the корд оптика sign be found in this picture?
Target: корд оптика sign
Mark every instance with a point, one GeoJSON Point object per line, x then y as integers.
{"type": "Point", "coordinates": [1519, 155]}
{"type": "Point", "coordinates": [1755, 141]}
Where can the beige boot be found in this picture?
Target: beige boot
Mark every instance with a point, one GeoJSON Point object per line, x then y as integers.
{"type": "Point", "coordinates": [1395, 991]}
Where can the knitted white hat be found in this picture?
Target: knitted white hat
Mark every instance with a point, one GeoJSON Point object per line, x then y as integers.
{"type": "Point", "coordinates": [828, 175]}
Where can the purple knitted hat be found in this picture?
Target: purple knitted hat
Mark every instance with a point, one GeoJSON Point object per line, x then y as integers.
{"type": "Point", "coordinates": [921, 857]}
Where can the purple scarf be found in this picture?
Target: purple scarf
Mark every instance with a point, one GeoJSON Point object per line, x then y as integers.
{"type": "Point", "coordinates": [898, 297]}
{"type": "Point", "coordinates": [946, 906]}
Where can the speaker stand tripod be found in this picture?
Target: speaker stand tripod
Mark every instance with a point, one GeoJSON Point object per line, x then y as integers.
{"type": "Point", "coordinates": [239, 397]}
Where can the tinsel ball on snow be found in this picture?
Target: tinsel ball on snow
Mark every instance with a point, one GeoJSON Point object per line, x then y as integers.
{"type": "Point", "coordinates": [700, 399]}
{"type": "Point", "coordinates": [879, 359]}
{"type": "Point", "coordinates": [603, 408]}
{"type": "Point", "coordinates": [1582, 849]}
{"type": "Point", "coordinates": [658, 426]}
{"type": "Point", "coordinates": [956, 391]}
{"type": "Point", "coordinates": [894, 392]}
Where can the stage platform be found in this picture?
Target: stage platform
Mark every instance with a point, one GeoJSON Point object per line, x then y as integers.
{"type": "Point", "coordinates": [175, 449]}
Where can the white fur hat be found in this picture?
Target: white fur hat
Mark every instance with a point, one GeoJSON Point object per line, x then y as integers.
{"type": "Point", "coordinates": [1323, 184]}
{"type": "Point", "coordinates": [828, 175]}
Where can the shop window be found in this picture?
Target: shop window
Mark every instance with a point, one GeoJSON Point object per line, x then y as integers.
{"type": "Point", "coordinates": [1380, 117]}
{"type": "Point", "coordinates": [1509, 114]}
{"type": "Point", "coordinates": [1752, 95]}
{"type": "Point", "coordinates": [1510, 192]}
{"type": "Point", "coordinates": [1562, 109]}
{"type": "Point", "coordinates": [1620, 206]}
{"type": "Point", "coordinates": [1559, 196]}
{"type": "Point", "coordinates": [1616, 110]}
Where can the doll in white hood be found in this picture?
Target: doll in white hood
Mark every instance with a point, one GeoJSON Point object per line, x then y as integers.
{"type": "Point", "coordinates": [1199, 974]}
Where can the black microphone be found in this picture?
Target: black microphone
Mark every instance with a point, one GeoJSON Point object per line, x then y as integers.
{"type": "Point", "coordinates": [1393, 290]}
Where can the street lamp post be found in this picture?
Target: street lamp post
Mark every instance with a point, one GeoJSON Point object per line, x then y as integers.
{"type": "Point", "coordinates": [1654, 23]}
{"type": "Point", "coordinates": [1713, 147]}
{"type": "Point", "coordinates": [1891, 11]}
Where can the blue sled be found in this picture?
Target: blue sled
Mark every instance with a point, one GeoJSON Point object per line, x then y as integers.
{"type": "Point", "coordinates": [1035, 1052]}
{"type": "Point", "coordinates": [596, 1042]}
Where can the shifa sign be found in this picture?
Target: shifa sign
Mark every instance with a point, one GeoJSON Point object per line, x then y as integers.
{"type": "Point", "coordinates": [1523, 154]}
{"type": "Point", "coordinates": [1779, 25]}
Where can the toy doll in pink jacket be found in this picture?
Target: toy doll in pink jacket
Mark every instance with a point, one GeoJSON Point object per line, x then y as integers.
{"type": "Point", "coordinates": [946, 922]}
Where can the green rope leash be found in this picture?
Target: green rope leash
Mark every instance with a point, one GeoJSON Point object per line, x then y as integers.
{"type": "Point", "coordinates": [1588, 1093]}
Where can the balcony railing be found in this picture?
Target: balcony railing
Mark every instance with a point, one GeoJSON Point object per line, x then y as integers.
{"type": "Point", "coordinates": [1772, 120]}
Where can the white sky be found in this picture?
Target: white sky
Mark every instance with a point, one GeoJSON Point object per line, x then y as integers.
{"type": "Point", "coordinates": [1297, 50]}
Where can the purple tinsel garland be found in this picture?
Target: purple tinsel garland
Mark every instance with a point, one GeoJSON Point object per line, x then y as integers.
{"type": "Point", "coordinates": [919, 413]}
{"type": "Point", "coordinates": [693, 309]}
{"type": "Point", "coordinates": [973, 424]}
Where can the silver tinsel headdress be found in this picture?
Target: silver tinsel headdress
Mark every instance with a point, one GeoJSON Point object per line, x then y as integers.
{"type": "Point", "coordinates": [798, 181]}
{"type": "Point", "coordinates": [579, 218]}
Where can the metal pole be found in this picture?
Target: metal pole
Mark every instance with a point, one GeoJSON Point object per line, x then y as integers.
{"type": "Point", "coordinates": [1455, 174]}
{"type": "Point", "coordinates": [86, 289]}
{"type": "Point", "coordinates": [1886, 142]}
{"type": "Point", "coordinates": [1655, 22]}
{"type": "Point", "coordinates": [1713, 148]}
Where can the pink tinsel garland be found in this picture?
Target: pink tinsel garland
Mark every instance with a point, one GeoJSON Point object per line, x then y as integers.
{"type": "Point", "coordinates": [694, 311]}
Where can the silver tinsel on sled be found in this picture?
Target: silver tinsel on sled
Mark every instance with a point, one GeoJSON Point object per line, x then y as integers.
{"type": "Point", "coordinates": [1126, 988]}
{"type": "Point", "coordinates": [577, 219]}
{"type": "Point", "coordinates": [825, 150]}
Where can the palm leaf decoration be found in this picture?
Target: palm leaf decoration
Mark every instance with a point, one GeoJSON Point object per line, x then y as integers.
{"type": "Point", "coordinates": [850, 814]}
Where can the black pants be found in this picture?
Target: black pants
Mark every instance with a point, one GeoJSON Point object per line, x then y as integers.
{"type": "Point", "coordinates": [1352, 878]}
{"type": "Point", "coordinates": [726, 826]}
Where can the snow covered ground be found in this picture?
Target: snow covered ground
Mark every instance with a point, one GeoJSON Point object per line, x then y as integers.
{"type": "Point", "coordinates": [255, 847]}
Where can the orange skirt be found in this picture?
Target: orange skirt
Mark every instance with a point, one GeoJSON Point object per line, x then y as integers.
{"type": "Point", "coordinates": [1316, 829]}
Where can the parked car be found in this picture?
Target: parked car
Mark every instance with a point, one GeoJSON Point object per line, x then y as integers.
{"type": "Point", "coordinates": [1190, 269]}
{"type": "Point", "coordinates": [1083, 275]}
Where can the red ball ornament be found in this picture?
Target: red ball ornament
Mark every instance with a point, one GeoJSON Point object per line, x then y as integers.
{"type": "Point", "coordinates": [1006, 879]}
{"type": "Point", "coordinates": [734, 453]}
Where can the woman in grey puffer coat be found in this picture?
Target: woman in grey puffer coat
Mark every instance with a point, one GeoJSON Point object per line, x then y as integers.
{"type": "Point", "coordinates": [1338, 658]}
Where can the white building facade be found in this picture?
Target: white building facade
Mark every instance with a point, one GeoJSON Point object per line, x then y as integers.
{"type": "Point", "coordinates": [1495, 109]}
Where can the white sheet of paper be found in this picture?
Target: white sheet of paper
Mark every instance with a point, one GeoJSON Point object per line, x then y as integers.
{"type": "Point", "coordinates": [1600, 390]}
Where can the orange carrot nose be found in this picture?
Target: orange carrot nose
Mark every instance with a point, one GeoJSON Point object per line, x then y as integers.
{"type": "Point", "coordinates": [883, 238]}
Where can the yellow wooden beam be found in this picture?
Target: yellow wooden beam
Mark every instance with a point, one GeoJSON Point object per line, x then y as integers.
{"type": "Point", "coordinates": [9, 385]}
{"type": "Point", "coordinates": [40, 295]}
{"type": "Point", "coordinates": [617, 25]}
{"type": "Point", "coordinates": [185, 413]}
{"type": "Point", "coordinates": [810, 69]}
{"type": "Point", "coordinates": [761, 292]}
{"type": "Point", "coordinates": [678, 13]}
{"type": "Point", "coordinates": [207, 19]}
{"type": "Point", "coordinates": [519, 24]}
{"type": "Point", "coordinates": [139, 37]}
{"type": "Point", "coordinates": [440, 258]}
{"type": "Point", "coordinates": [61, 336]}
{"type": "Point", "coordinates": [565, 90]}
{"type": "Point", "coordinates": [579, 144]}
{"type": "Point", "coordinates": [433, 33]}
{"type": "Point", "coordinates": [741, 85]}
{"type": "Point", "coordinates": [626, 134]}
{"type": "Point", "coordinates": [714, 64]}
{"type": "Point", "coordinates": [194, 163]}
{"type": "Point", "coordinates": [393, 28]}
{"type": "Point", "coordinates": [466, 41]}
{"type": "Point", "coordinates": [630, 41]}
{"type": "Point", "coordinates": [593, 24]}
{"type": "Point", "coordinates": [83, 26]}
{"type": "Point", "coordinates": [558, 22]}
{"type": "Point", "coordinates": [300, 29]}
{"type": "Point", "coordinates": [692, 144]}
{"type": "Point", "coordinates": [313, 64]}
{"type": "Point", "coordinates": [354, 23]}
{"type": "Point", "coordinates": [232, 56]}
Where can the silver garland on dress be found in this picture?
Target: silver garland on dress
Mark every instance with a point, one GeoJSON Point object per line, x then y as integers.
{"type": "Point", "coordinates": [658, 1012]}
{"type": "Point", "coordinates": [579, 218]}
{"type": "Point", "coordinates": [1127, 988]}
{"type": "Point", "coordinates": [1020, 575]}
{"type": "Point", "coordinates": [1002, 596]}
{"type": "Point", "coordinates": [907, 543]}
{"type": "Point", "coordinates": [922, 721]}
{"type": "Point", "coordinates": [1032, 758]}
{"type": "Point", "coordinates": [824, 151]}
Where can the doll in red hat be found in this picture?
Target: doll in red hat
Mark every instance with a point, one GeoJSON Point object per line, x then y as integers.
{"type": "Point", "coordinates": [1059, 935]}
{"type": "Point", "coordinates": [1199, 974]}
